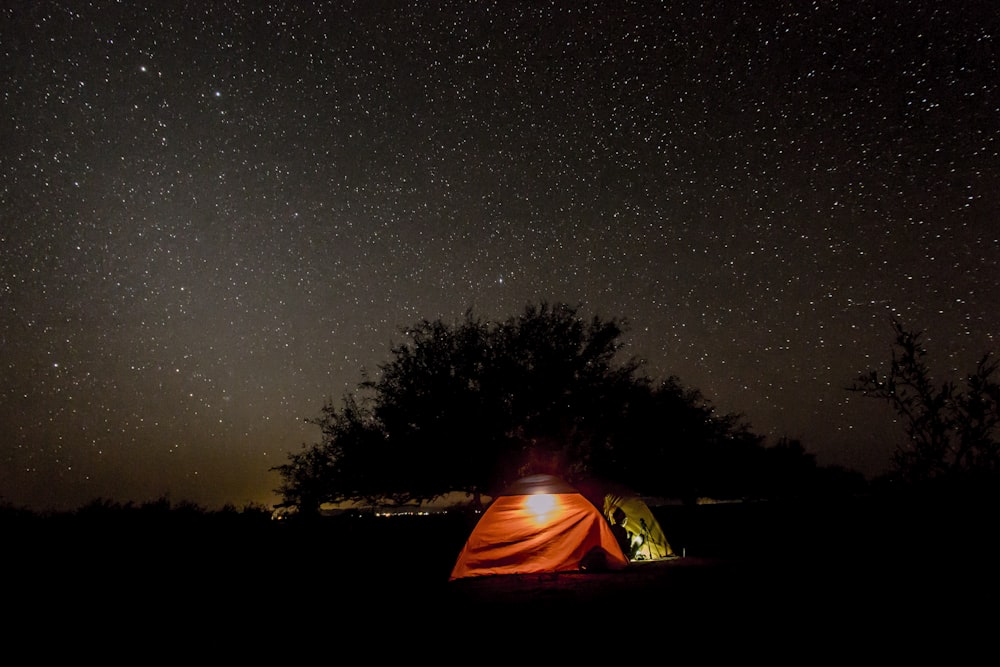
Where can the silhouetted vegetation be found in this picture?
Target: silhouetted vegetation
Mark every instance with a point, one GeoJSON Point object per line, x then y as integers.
{"type": "Point", "coordinates": [951, 433]}
{"type": "Point", "coordinates": [473, 406]}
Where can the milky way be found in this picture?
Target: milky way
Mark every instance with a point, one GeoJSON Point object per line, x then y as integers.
{"type": "Point", "coordinates": [216, 216]}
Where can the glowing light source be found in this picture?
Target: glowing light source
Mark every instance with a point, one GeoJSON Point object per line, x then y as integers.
{"type": "Point", "coordinates": [541, 506]}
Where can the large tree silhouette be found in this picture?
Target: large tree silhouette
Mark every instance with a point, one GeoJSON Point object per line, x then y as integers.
{"type": "Point", "coordinates": [473, 406]}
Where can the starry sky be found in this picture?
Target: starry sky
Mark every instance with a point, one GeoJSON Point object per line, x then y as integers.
{"type": "Point", "coordinates": [216, 216]}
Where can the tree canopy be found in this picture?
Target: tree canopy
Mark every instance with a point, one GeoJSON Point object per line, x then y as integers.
{"type": "Point", "coordinates": [470, 407]}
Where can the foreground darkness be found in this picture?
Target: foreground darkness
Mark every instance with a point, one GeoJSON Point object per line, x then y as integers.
{"type": "Point", "coordinates": [865, 572]}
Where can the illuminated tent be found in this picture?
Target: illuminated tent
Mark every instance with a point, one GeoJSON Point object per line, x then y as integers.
{"type": "Point", "coordinates": [620, 504]}
{"type": "Point", "coordinates": [540, 524]}
{"type": "Point", "coordinates": [644, 532]}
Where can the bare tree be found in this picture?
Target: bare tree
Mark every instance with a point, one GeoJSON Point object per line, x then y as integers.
{"type": "Point", "coordinates": [950, 431]}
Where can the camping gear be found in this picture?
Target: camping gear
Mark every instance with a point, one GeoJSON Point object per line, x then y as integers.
{"type": "Point", "coordinates": [540, 524]}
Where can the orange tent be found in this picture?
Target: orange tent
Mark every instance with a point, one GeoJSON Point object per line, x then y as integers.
{"type": "Point", "coordinates": [540, 524]}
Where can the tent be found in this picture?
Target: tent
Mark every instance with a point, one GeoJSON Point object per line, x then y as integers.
{"type": "Point", "coordinates": [645, 536]}
{"type": "Point", "coordinates": [632, 522]}
{"type": "Point", "coordinates": [540, 524]}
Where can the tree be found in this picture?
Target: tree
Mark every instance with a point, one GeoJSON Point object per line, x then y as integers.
{"type": "Point", "coordinates": [471, 407]}
{"type": "Point", "coordinates": [950, 433]}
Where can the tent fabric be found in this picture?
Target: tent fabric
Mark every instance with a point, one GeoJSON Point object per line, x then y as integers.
{"type": "Point", "coordinates": [540, 524]}
{"type": "Point", "coordinates": [644, 532]}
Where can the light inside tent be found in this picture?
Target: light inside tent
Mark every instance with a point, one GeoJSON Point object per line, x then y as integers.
{"type": "Point", "coordinates": [541, 507]}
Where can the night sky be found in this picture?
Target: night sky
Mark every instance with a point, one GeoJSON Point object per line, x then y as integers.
{"type": "Point", "coordinates": [215, 216]}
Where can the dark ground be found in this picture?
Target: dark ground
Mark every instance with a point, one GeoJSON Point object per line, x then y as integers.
{"type": "Point", "coordinates": [859, 578]}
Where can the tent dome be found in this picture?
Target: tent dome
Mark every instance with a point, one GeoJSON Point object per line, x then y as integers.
{"type": "Point", "coordinates": [533, 484]}
{"type": "Point", "coordinates": [539, 524]}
